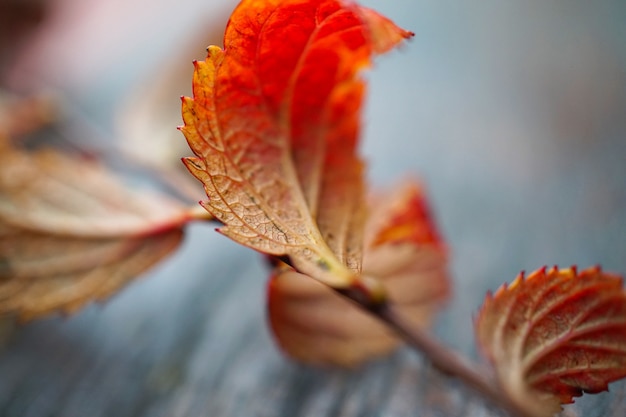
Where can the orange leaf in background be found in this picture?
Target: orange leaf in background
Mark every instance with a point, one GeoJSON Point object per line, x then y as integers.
{"type": "Point", "coordinates": [71, 232]}
{"type": "Point", "coordinates": [404, 216]}
{"type": "Point", "coordinates": [554, 335]}
{"type": "Point", "coordinates": [274, 123]}
{"type": "Point", "coordinates": [304, 313]}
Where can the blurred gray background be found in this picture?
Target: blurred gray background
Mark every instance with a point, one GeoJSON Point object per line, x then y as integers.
{"type": "Point", "coordinates": [512, 112]}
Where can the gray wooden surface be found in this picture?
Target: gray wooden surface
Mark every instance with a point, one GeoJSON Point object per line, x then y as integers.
{"type": "Point", "coordinates": [515, 116]}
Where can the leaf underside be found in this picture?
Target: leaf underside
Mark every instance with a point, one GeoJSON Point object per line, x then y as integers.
{"type": "Point", "coordinates": [42, 273]}
{"type": "Point", "coordinates": [274, 122]}
{"type": "Point", "coordinates": [555, 334]}
{"type": "Point", "coordinates": [71, 232]}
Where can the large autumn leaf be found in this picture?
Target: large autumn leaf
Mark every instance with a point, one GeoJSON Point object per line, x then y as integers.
{"type": "Point", "coordinates": [555, 334]}
{"type": "Point", "coordinates": [274, 122]}
{"type": "Point", "coordinates": [72, 232]}
{"type": "Point", "coordinates": [402, 249]}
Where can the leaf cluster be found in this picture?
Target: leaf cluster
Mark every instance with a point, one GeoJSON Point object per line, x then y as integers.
{"type": "Point", "coordinates": [274, 125]}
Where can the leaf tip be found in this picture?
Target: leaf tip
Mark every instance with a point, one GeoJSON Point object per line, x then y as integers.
{"type": "Point", "coordinates": [384, 33]}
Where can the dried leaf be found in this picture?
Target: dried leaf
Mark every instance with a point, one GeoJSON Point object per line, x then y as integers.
{"type": "Point", "coordinates": [412, 267]}
{"type": "Point", "coordinates": [274, 124]}
{"type": "Point", "coordinates": [71, 232]}
{"type": "Point", "coordinates": [42, 273]}
{"type": "Point", "coordinates": [313, 324]}
{"type": "Point", "coordinates": [52, 192]}
{"type": "Point", "coordinates": [554, 335]}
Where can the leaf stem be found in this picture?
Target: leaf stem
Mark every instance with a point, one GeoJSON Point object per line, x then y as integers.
{"type": "Point", "coordinates": [445, 359]}
{"type": "Point", "coordinates": [367, 295]}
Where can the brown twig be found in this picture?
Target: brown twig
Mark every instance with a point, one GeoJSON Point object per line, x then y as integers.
{"type": "Point", "coordinates": [441, 356]}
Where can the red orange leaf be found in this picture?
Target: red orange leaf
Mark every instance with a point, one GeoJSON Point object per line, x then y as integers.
{"type": "Point", "coordinates": [402, 216]}
{"type": "Point", "coordinates": [554, 335]}
{"type": "Point", "coordinates": [412, 267]}
{"type": "Point", "coordinates": [274, 124]}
